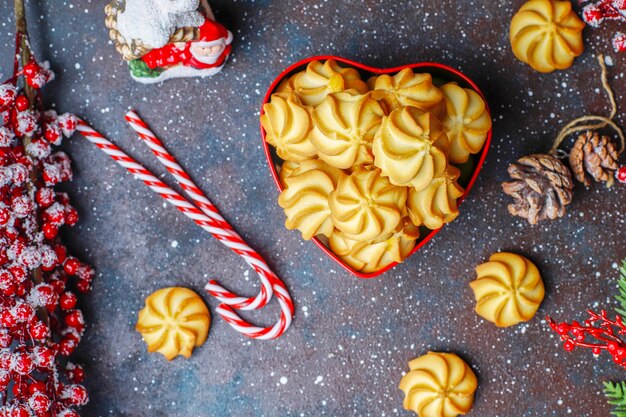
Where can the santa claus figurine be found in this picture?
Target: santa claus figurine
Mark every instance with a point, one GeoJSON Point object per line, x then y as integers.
{"type": "Point", "coordinates": [157, 46]}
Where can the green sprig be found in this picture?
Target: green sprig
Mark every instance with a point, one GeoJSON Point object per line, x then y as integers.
{"type": "Point", "coordinates": [621, 298]}
{"type": "Point", "coordinates": [616, 394]}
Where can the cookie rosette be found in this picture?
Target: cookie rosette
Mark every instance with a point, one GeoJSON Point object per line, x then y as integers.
{"type": "Point", "coordinates": [321, 79]}
{"type": "Point", "coordinates": [372, 256]}
{"type": "Point", "coordinates": [508, 289]}
{"type": "Point", "coordinates": [305, 197]}
{"type": "Point", "coordinates": [366, 206]}
{"type": "Point", "coordinates": [411, 148]}
{"type": "Point", "coordinates": [439, 385]}
{"type": "Point", "coordinates": [345, 126]}
{"type": "Point", "coordinates": [406, 89]}
{"type": "Point", "coordinates": [466, 122]}
{"type": "Point", "coordinates": [547, 34]}
{"type": "Point", "coordinates": [287, 125]}
{"type": "Point", "coordinates": [436, 204]}
{"type": "Point", "coordinates": [370, 171]}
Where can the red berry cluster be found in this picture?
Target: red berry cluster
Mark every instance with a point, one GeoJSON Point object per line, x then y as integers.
{"type": "Point", "coordinates": [597, 11]}
{"type": "Point", "coordinates": [40, 323]}
{"type": "Point", "coordinates": [598, 333]}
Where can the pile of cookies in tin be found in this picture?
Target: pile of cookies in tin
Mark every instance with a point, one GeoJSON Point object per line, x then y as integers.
{"type": "Point", "coordinates": [368, 165]}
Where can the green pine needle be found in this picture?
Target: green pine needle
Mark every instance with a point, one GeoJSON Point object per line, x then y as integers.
{"type": "Point", "coordinates": [621, 298]}
{"type": "Point", "coordinates": [616, 394]}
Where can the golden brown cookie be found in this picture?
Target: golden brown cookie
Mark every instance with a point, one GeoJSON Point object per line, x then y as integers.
{"type": "Point", "coordinates": [547, 34]}
{"type": "Point", "coordinates": [287, 124]}
{"type": "Point", "coordinates": [373, 256]}
{"type": "Point", "coordinates": [366, 206]}
{"type": "Point", "coordinates": [321, 79]}
{"type": "Point", "coordinates": [174, 321]}
{"type": "Point", "coordinates": [410, 148]}
{"type": "Point", "coordinates": [439, 385]}
{"type": "Point", "coordinates": [466, 121]}
{"type": "Point", "coordinates": [436, 204]}
{"type": "Point", "coordinates": [345, 126]}
{"type": "Point", "coordinates": [405, 89]}
{"type": "Point", "coordinates": [508, 289]}
{"type": "Point", "coordinates": [305, 197]}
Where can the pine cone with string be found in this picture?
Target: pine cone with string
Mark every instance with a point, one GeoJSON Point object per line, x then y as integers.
{"type": "Point", "coordinates": [594, 155]}
{"type": "Point", "coordinates": [542, 187]}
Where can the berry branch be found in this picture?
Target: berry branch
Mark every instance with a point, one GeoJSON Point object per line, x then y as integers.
{"type": "Point", "coordinates": [40, 325]}
{"type": "Point", "coordinates": [599, 332]}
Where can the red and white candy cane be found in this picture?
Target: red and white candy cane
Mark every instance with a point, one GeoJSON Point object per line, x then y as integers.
{"type": "Point", "coordinates": [209, 224]}
{"type": "Point", "coordinates": [224, 232]}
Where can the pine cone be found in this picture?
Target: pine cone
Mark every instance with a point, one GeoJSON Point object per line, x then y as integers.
{"type": "Point", "coordinates": [542, 187]}
{"type": "Point", "coordinates": [595, 155]}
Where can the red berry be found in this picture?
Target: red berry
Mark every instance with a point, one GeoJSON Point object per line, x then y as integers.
{"type": "Point", "coordinates": [10, 290]}
{"type": "Point", "coordinates": [596, 350]}
{"type": "Point", "coordinates": [6, 357]}
{"type": "Point", "coordinates": [612, 346]}
{"type": "Point", "coordinates": [23, 363]}
{"type": "Point", "coordinates": [21, 102]}
{"type": "Point", "coordinates": [68, 301]}
{"type": "Point", "coordinates": [37, 386]}
{"type": "Point", "coordinates": [31, 68]}
{"type": "Point", "coordinates": [5, 338]}
{"type": "Point", "coordinates": [7, 319]}
{"type": "Point", "coordinates": [621, 174]}
{"type": "Point", "coordinates": [21, 288]}
{"type": "Point", "coordinates": [68, 344]}
{"type": "Point", "coordinates": [569, 346]}
{"type": "Point", "coordinates": [75, 394]}
{"type": "Point", "coordinates": [39, 330]}
{"type": "Point", "coordinates": [71, 217]}
{"type": "Point", "coordinates": [50, 230]}
{"type": "Point", "coordinates": [77, 375]}
{"type": "Point", "coordinates": [58, 285]}
{"type": "Point", "coordinates": [71, 266]}
{"type": "Point", "coordinates": [5, 215]}
{"type": "Point", "coordinates": [68, 413]}
{"type": "Point", "coordinates": [43, 356]}
{"type": "Point", "coordinates": [23, 312]}
{"type": "Point", "coordinates": [18, 272]}
{"type": "Point", "coordinates": [45, 197]}
{"type": "Point", "coordinates": [5, 379]}
{"type": "Point", "coordinates": [562, 328]}
{"type": "Point", "coordinates": [39, 402]}
{"type": "Point", "coordinates": [75, 319]}
{"type": "Point", "coordinates": [61, 253]}
{"type": "Point", "coordinates": [20, 410]}
{"type": "Point", "coordinates": [83, 285]}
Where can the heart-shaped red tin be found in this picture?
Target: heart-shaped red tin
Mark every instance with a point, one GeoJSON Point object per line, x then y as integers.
{"type": "Point", "coordinates": [437, 70]}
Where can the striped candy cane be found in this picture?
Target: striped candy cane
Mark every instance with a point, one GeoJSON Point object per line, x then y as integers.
{"type": "Point", "coordinates": [227, 235]}
{"type": "Point", "coordinates": [215, 226]}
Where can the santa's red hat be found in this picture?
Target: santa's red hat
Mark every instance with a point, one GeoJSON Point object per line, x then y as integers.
{"type": "Point", "coordinates": [211, 31]}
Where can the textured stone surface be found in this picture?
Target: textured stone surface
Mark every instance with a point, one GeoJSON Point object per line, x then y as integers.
{"type": "Point", "coordinates": [351, 339]}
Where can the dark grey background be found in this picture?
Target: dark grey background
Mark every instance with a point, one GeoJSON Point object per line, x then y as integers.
{"type": "Point", "coordinates": [351, 339]}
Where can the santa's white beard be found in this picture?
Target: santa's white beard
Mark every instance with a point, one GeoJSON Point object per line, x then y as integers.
{"type": "Point", "coordinates": [211, 59]}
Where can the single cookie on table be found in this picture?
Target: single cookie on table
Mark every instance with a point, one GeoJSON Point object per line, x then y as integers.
{"type": "Point", "coordinates": [508, 289]}
{"type": "Point", "coordinates": [436, 204]}
{"type": "Point", "coordinates": [321, 79]}
{"type": "Point", "coordinates": [466, 122]}
{"type": "Point", "coordinates": [287, 124]}
{"type": "Point", "coordinates": [174, 321]}
{"type": "Point", "coordinates": [372, 256]}
{"type": "Point", "coordinates": [345, 126]}
{"type": "Point", "coordinates": [366, 206]}
{"type": "Point", "coordinates": [439, 385]}
{"type": "Point", "coordinates": [547, 34]}
{"type": "Point", "coordinates": [406, 88]}
{"type": "Point", "coordinates": [305, 198]}
{"type": "Point", "coordinates": [410, 148]}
